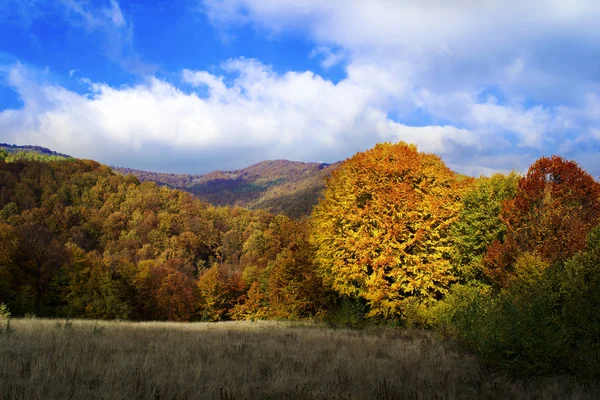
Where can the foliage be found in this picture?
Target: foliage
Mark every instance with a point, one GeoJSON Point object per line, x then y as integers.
{"type": "Point", "coordinates": [516, 329]}
{"type": "Point", "coordinates": [280, 186]}
{"type": "Point", "coordinates": [381, 230]}
{"type": "Point", "coordinates": [30, 156]}
{"type": "Point", "coordinates": [479, 223]}
{"type": "Point", "coordinates": [556, 205]}
{"type": "Point", "coordinates": [397, 237]}
{"type": "Point", "coordinates": [546, 321]}
{"type": "Point", "coordinates": [580, 289]}
{"type": "Point", "coordinates": [4, 311]}
{"type": "Point", "coordinates": [78, 240]}
{"type": "Point", "coordinates": [446, 316]}
{"type": "Point", "coordinates": [347, 313]}
{"type": "Point", "coordinates": [5, 319]}
{"type": "Point", "coordinates": [288, 287]}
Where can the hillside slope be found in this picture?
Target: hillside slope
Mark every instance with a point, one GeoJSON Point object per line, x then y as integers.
{"type": "Point", "coordinates": [13, 148]}
{"type": "Point", "coordinates": [280, 186]}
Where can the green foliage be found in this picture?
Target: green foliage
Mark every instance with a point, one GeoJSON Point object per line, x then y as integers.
{"type": "Point", "coordinates": [517, 330]}
{"type": "Point", "coordinates": [4, 311]}
{"type": "Point", "coordinates": [30, 156]}
{"type": "Point", "coordinates": [348, 313]}
{"type": "Point", "coordinates": [580, 289]}
{"type": "Point", "coordinates": [448, 315]}
{"type": "Point", "coordinates": [479, 223]}
{"type": "Point", "coordinates": [9, 210]}
{"type": "Point", "coordinates": [547, 320]}
{"type": "Point", "coordinates": [5, 319]}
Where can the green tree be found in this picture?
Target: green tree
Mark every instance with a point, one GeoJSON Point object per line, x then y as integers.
{"type": "Point", "coordinates": [580, 286]}
{"type": "Point", "coordinates": [479, 223]}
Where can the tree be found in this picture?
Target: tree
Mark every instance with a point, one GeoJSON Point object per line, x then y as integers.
{"type": "Point", "coordinates": [381, 229]}
{"type": "Point", "coordinates": [479, 223]}
{"type": "Point", "coordinates": [289, 286]}
{"type": "Point", "coordinates": [215, 294]}
{"type": "Point", "coordinates": [8, 271]}
{"type": "Point", "coordinates": [580, 281]}
{"type": "Point", "coordinates": [556, 206]}
{"type": "Point", "coordinates": [41, 257]}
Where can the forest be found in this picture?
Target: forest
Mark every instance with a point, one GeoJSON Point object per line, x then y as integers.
{"type": "Point", "coordinates": [508, 265]}
{"type": "Point", "coordinates": [281, 187]}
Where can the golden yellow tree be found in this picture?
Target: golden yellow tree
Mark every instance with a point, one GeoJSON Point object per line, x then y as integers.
{"type": "Point", "coordinates": [381, 229]}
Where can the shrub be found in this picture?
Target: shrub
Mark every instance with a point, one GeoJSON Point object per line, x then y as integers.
{"type": "Point", "coordinates": [546, 322]}
{"type": "Point", "coordinates": [580, 289]}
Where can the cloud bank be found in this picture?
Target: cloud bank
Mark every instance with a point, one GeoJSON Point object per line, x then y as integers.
{"type": "Point", "coordinates": [487, 85]}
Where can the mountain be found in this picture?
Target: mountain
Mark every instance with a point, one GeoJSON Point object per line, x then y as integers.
{"type": "Point", "coordinates": [279, 186]}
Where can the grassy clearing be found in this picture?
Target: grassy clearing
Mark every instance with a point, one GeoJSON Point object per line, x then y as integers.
{"type": "Point", "coordinates": [56, 359]}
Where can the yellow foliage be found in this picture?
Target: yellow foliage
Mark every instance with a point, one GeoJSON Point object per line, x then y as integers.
{"type": "Point", "coordinates": [381, 230]}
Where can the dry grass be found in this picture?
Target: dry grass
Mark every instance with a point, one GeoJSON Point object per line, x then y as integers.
{"type": "Point", "coordinates": [52, 359]}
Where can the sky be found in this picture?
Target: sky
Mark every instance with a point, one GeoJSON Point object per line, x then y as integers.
{"type": "Point", "coordinates": [193, 86]}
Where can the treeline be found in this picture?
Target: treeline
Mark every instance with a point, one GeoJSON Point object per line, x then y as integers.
{"type": "Point", "coordinates": [13, 149]}
{"type": "Point", "coordinates": [279, 186]}
{"type": "Point", "coordinates": [510, 265]}
{"type": "Point", "coordinates": [80, 241]}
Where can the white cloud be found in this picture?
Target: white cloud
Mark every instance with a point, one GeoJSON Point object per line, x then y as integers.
{"type": "Point", "coordinates": [534, 52]}
{"type": "Point", "coordinates": [261, 115]}
{"type": "Point", "coordinates": [202, 78]}
{"type": "Point", "coordinates": [496, 84]}
{"type": "Point", "coordinates": [414, 23]}
{"type": "Point", "coordinates": [95, 17]}
{"type": "Point", "coordinates": [115, 14]}
{"type": "Point", "coordinates": [329, 57]}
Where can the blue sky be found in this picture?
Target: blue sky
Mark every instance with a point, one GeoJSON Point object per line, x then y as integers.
{"type": "Point", "coordinates": [199, 85]}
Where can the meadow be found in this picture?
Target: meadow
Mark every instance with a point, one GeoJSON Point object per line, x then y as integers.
{"type": "Point", "coordinates": [85, 359]}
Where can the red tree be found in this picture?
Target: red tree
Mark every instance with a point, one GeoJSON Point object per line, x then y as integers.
{"type": "Point", "coordinates": [556, 206]}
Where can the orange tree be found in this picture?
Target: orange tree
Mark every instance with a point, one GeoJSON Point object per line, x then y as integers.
{"type": "Point", "coordinates": [381, 229]}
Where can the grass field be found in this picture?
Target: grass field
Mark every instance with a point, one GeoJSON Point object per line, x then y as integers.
{"type": "Point", "coordinates": [58, 359]}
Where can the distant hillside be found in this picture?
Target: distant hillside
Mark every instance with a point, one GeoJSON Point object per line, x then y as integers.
{"type": "Point", "coordinates": [280, 186]}
{"type": "Point", "coordinates": [13, 148]}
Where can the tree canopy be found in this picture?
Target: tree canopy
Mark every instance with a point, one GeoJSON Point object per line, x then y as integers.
{"type": "Point", "coordinates": [556, 205]}
{"type": "Point", "coordinates": [381, 229]}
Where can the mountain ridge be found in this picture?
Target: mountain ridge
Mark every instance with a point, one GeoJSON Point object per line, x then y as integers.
{"type": "Point", "coordinates": [279, 186]}
{"type": "Point", "coordinates": [13, 148]}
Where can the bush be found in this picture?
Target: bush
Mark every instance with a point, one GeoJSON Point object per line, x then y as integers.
{"type": "Point", "coordinates": [519, 331]}
{"type": "Point", "coordinates": [349, 313]}
{"type": "Point", "coordinates": [4, 311]}
{"type": "Point", "coordinates": [581, 308]}
{"type": "Point", "coordinates": [546, 322]}
{"type": "Point", "coordinates": [5, 319]}
{"type": "Point", "coordinates": [447, 313]}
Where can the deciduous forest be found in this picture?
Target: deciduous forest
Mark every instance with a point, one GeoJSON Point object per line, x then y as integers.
{"type": "Point", "coordinates": [507, 265]}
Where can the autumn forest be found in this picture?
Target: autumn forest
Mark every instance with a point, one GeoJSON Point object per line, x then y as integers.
{"type": "Point", "coordinates": [507, 265]}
